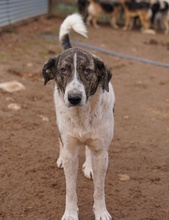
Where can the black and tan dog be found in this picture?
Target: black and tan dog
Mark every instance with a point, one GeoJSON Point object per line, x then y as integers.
{"type": "Point", "coordinates": [133, 9]}
{"type": "Point", "coordinates": [104, 7]}
{"type": "Point", "coordinates": [82, 8]}
{"type": "Point", "coordinates": [160, 12]}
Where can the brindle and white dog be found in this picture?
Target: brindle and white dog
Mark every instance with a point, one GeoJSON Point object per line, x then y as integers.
{"type": "Point", "coordinates": [84, 102]}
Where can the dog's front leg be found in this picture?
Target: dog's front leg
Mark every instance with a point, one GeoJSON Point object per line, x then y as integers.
{"type": "Point", "coordinates": [70, 165]}
{"type": "Point", "coordinates": [100, 163]}
{"type": "Point", "coordinates": [127, 21]}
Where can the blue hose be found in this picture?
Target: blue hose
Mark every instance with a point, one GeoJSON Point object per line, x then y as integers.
{"type": "Point", "coordinates": [120, 54]}
{"type": "Point", "coordinates": [139, 59]}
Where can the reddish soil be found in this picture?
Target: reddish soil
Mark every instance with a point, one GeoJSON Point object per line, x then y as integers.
{"type": "Point", "coordinates": [137, 181]}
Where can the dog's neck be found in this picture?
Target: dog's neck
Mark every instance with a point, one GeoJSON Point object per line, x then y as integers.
{"type": "Point", "coordinates": [80, 121]}
{"type": "Point", "coordinates": [84, 118]}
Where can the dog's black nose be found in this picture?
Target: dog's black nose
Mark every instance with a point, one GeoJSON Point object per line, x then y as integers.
{"type": "Point", "coordinates": [74, 99]}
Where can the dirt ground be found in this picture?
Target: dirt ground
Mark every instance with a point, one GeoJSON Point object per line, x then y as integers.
{"type": "Point", "coordinates": [137, 181]}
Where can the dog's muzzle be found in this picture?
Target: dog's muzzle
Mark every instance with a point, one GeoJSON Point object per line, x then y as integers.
{"type": "Point", "coordinates": [74, 98]}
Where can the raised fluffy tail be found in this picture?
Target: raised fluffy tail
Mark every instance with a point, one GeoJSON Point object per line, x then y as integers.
{"type": "Point", "coordinates": [74, 22]}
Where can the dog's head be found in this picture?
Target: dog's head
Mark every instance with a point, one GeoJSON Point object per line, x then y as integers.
{"type": "Point", "coordinates": [77, 74]}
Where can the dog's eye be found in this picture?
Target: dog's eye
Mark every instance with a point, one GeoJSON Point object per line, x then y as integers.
{"type": "Point", "coordinates": [87, 71]}
{"type": "Point", "coordinates": [64, 71]}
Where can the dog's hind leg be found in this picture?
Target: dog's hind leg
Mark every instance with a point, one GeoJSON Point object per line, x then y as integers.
{"type": "Point", "coordinates": [87, 166]}
{"type": "Point", "coordinates": [113, 20]}
{"type": "Point", "coordinates": [88, 20]}
{"type": "Point", "coordinates": [113, 23]}
{"type": "Point", "coordinates": [131, 24]}
{"type": "Point", "coordinates": [166, 24]}
{"type": "Point", "coordinates": [127, 22]}
{"type": "Point", "coordinates": [94, 22]}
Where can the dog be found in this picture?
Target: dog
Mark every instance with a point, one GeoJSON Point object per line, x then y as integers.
{"type": "Point", "coordinates": [82, 8]}
{"type": "Point", "coordinates": [160, 12]}
{"type": "Point", "coordinates": [140, 9]}
{"type": "Point", "coordinates": [84, 102]}
{"type": "Point", "coordinates": [97, 8]}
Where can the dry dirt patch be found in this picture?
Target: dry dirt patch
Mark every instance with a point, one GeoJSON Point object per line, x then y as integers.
{"type": "Point", "coordinates": [32, 188]}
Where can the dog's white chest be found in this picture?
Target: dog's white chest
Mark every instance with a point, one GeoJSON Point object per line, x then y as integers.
{"type": "Point", "coordinates": [80, 124]}
{"type": "Point", "coordinates": [88, 122]}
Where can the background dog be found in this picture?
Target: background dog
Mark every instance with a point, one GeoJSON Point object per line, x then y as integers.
{"type": "Point", "coordinates": [97, 8]}
{"type": "Point", "coordinates": [142, 10]}
{"type": "Point", "coordinates": [160, 14]}
{"type": "Point", "coordinates": [82, 8]}
{"type": "Point", "coordinates": [84, 102]}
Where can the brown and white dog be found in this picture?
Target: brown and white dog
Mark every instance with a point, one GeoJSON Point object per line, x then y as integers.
{"type": "Point", "coordinates": [97, 8]}
{"type": "Point", "coordinates": [84, 102]}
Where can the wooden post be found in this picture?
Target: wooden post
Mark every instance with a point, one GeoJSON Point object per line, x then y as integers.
{"type": "Point", "coordinates": [53, 7]}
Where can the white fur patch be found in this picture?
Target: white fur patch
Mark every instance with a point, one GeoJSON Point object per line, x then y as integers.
{"type": "Point", "coordinates": [75, 86]}
{"type": "Point", "coordinates": [74, 22]}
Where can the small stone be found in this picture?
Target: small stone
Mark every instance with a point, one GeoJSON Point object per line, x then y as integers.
{"type": "Point", "coordinates": [123, 177]}
{"type": "Point", "coordinates": [13, 86]}
{"type": "Point", "coordinates": [14, 106]}
{"type": "Point", "coordinates": [44, 118]}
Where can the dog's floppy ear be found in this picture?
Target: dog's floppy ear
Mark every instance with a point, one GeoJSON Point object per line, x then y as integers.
{"type": "Point", "coordinates": [104, 74]}
{"type": "Point", "coordinates": [49, 69]}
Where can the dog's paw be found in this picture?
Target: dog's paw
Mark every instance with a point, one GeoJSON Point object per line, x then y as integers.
{"type": "Point", "coordinates": [124, 28]}
{"type": "Point", "coordinates": [70, 215]}
{"type": "Point", "coordinates": [59, 163]}
{"type": "Point", "coordinates": [102, 215]}
{"type": "Point", "coordinates": [148, 31]}
{"type": "Point", "coordinates": [116, 27]}
{"type": "Point", "coordinates": [87, 170]}
{"type": "Point", "coordinates": [96, 26]}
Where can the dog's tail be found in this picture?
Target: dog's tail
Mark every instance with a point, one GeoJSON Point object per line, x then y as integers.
{"type": "Point", "coordinates": [75, 22]}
